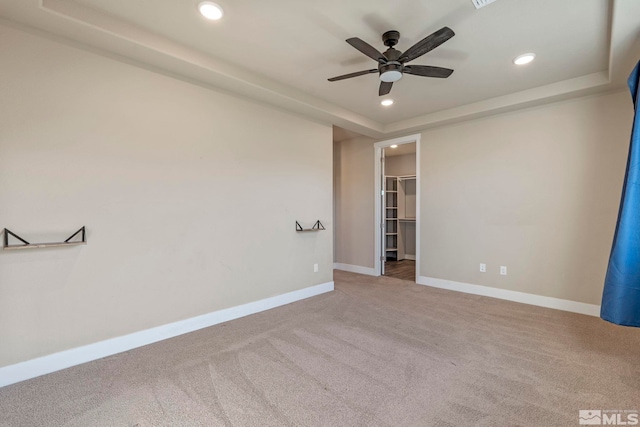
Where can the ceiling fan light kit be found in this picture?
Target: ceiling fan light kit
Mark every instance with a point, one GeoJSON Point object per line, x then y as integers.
{"type": "Point", "coordinates": [391, 73]}
{"type": "Point", "coordinates": [392, 63]}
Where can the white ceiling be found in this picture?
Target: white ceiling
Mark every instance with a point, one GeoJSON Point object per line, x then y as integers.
{"type": "Point", "coordinates": [282, 51]}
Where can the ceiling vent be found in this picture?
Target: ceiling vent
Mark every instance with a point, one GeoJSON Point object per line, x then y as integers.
{"type": "Point", "coordinates": [481, 3]}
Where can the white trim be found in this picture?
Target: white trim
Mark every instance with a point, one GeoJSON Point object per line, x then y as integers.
{"type": "Point", "coordinates": [418, 217]}
{"type": "Point", "coordinates": [409, 256]}
{"type": "Point", "coordinates": [355, 269]}
{"type": "Point", "coordinates": [531, 299]}
{"type": "Point", "coordinates": [378, 214]}
{"type": "Point", "coordinates": [54, 362]}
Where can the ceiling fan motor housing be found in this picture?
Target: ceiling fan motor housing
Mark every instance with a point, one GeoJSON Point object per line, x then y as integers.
{"type": "Point", "coordinates": [390, 38]}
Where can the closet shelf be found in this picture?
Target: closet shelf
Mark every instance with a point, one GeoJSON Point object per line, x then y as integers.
{"type": "Point", "coordinates": [316, 227]}
{"type": "Point", "coordinates": [400, 203]}
{"type": "Point", "coordinates": [27, 245]}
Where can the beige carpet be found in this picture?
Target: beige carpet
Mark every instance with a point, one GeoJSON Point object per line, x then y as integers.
{"type": "Point", "coordinates": [377, 351]}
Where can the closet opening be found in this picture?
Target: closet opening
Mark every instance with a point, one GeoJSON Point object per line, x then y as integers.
{"type": "Point", "coordinates": [398, 205]}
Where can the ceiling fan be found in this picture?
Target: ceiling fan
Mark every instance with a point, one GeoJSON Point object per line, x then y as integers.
{"type": "Point", "coordinates": [391, 63]}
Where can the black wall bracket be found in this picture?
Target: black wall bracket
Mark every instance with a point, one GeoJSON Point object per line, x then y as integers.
{"type": "Point", "coordinates": [26, 245]}
{"type": "Point", "coordinates": [316, 227]}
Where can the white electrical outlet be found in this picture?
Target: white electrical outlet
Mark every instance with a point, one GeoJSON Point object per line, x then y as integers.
{"type": "Point", "coordinates": [483, 267]}
{"type": "Point", "coordinates": [503, 270]}
{"type": "Point", "coordinates": [315, 268]}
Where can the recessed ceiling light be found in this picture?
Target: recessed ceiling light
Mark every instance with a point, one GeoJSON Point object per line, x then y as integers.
{"type": "Point", "coordinates": [524, 58]}
{"type": "Point", "coordinates": [387, 102]}
{"type": "Point", "coordinates": [210, 10]}
{"type": "Point", "coordinates": [393, 146]}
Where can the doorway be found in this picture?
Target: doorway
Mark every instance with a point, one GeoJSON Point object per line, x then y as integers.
{"type": "Point", "coordinates": [397, 207]}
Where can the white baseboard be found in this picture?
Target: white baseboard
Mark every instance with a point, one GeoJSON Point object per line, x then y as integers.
{"type": "Point", "coordinates": [409, 256]}
{"type": "Point", "coordinates": [539, 300]}
{"type": "Point", "coordinates": [355, 269]}
{"type": "Point", "coordinates": [54, 362]}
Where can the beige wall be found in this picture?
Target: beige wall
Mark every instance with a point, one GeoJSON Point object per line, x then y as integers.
{"type": "Point", "coordinates": [189, 196]}
{"type": "Point", "coordinates": [400, 165]}
{"type": "Point", "coordinates": [535, 190]}
{"type": "Point", "coordinates": [354, 202]}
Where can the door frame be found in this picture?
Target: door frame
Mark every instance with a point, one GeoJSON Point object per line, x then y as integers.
{"type": "Point", "coordinates": [379, 216]}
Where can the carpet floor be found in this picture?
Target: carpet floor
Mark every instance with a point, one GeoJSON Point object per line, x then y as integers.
{"type": "Point", "coordinates": [375, 352]}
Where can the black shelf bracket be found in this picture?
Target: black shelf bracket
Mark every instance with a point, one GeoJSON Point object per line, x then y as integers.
{"type": "Point", "coordinates": [84, 236]}
{"type": "Point", "coordinates": [316, 227]}
{"type": "Point", "coordinates": [27, 245]}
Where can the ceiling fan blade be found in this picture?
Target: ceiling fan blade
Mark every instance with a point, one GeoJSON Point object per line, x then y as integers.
{"type": "Point", "coordinates": [356, 74]}
{"type": "Point", "coordinates": [385, 88]}
{"type": "Point", "coordinates": [428, 71]}
{"type": "Point", "coordinates": [367, 49]}
{"type": "Point", "coordinates": [427, 44]}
